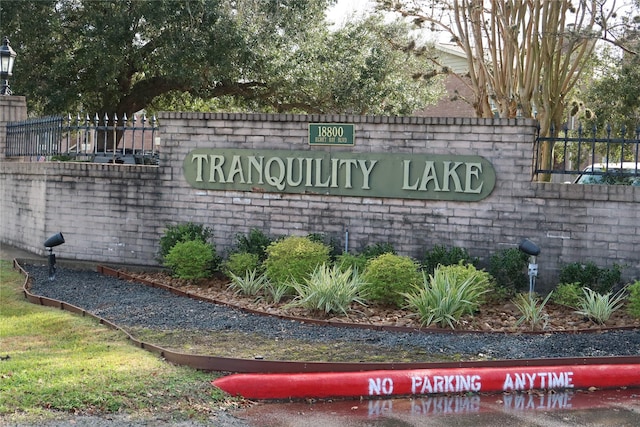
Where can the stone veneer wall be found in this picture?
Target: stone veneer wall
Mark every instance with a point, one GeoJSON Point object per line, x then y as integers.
{"type": "Point", "coordinates": [117, 213]}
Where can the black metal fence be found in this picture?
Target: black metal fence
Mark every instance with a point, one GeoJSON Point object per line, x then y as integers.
{"type": "Point", "coordinates": [590, 157]}
{"type": "Point", "coordinates": [82, 138]}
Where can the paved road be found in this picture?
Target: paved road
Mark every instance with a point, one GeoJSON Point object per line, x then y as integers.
{"type": "Point", "coordinates": [616, 408]}
{"type": "Point", "coordinates": [562, 409]}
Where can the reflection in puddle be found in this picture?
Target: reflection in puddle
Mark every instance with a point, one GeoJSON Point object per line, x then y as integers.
{"type": "Point", "coordinates": [513, 403]}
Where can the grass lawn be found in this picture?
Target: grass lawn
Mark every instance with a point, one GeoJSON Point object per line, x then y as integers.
{"type": "Point", "coordinates": [54, 363]}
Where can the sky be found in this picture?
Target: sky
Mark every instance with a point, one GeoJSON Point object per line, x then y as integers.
{"type": "Point", "coordinates": [346, 9]}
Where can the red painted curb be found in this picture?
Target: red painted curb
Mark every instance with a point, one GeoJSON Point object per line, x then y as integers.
{"type": "Point", "coordinates": [414, 382]}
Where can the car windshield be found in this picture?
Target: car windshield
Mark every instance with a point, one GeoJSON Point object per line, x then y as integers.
{"type": "Point", "coordinates": [611, 174]}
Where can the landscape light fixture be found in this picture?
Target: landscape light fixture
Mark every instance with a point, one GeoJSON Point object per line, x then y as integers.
{"type": "Point", "coordinates": [53, 241]}
{"type": "Point", "coordinates": [7, 58]}
{"type": "Point", "coordinates": [531, 249]}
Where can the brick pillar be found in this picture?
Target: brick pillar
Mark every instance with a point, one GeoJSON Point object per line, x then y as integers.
{"type": "Point", "coordinates": [12, 109]}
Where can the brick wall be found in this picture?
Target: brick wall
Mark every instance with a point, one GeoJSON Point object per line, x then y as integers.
{"type": "Point", "coordinates": [117, 213]}
{"type": "Point", "coordinates": [12, 109]}
{"type": "Point", "coordinates": [105, 212]}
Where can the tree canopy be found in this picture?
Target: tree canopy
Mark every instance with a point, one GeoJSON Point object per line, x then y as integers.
{"type": "Point", "coordinates": [613, 94]}
{"type": "Point", "coordinates": [262, 55]}
{"type": "Point", "coordinates": [524, 57]}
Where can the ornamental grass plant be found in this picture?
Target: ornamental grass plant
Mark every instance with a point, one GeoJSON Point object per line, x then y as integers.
{"type": "Point", "coordinates": [599, 307]}
{"type": "Point", "coordinates": [275, 292]}
{"type": "Point", "coordinates": [330, 290]}
{"type": "Point", "coordinates": [448, 294]}
{"type": "Point", "coordinates": [532, 309]}
{"type": "Point", "coordinates": [251, 284]}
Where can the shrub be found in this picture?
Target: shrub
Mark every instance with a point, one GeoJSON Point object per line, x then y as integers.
{"type": "Point", "coordinates": [532, 309]}
{"type": "Point", "coordinates": [568, 294]}
{"type": "Point", "coordinates": [440, 255]}
{"type": "Point", "coordinates": [633, 300]}
{"type": "Point", "coordinates": [251, 283]}
{"type": "Point", "coordinates": [331, 242]}
{"type": "Point", "coordinates": [182, 233]}
{"type": "Point", "coordinates": [191, 260]}
{"type": "Point", "coordinates": [255, 242]}
{"type": "Point", "coordinates": [509, 269]}
{"type": "Point", "coordinates": [374, 251]}
{"type": "Point", "coordinates": [448, 294]}
{"type": "Point", "coordinates": [481, 282]}
{"type": "Point", "coordinates": [240, 263]}
{"type": "Point", "coordinates": [599, 307]}
{"type": "Point", "coordinates": [329, 290]}
{"type": "Point", "coordinates": [354, 262]}
{"type": "Point", "coordinates": [498, 294]}
{"type": "Point", "coordinates": [293, 259]}
{"type": "Point", "coordinates": [389, 276]}
{"type": "Point", "coordinates": [589, 275]}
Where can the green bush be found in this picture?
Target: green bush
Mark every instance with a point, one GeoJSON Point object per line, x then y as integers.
{"type": "Point", "coordinates": [568, 294]}
{"type": "Point", "coordinates": [61, 158]}
{"type": "Point", "coordinates": [448, 294]}
{"type": "Point", "coordinates": [633, 300]}
{"type": "Point", "coordinates": [331, 242]}
{"type": "Point", "coordinates": [293, 259]}
{"type": "Point", "coordinates": [240, 263]}
{"type": "Point", "coordinates": [255, 242]}
{"type": "Point", "coordinates": [389, 277]}
{"type": "Point", "coordinates": [182, 233]}
{"type": "Point", "coordinates": [354, 262]}
{"type": "Point", "coordinates": [498, 294]}
{"type": "Point", "coordinates": [329, 290]}
{"type": "Point", "coordinates": [481, 281]}
{"type": "Point", "coordinates": [508, 267]}
{"type": "Point", "coordinates": [375, 250]}
{"type": "Point", "coordinates": [601, 280]}
{"type": "Point", "coordinates": [440, 255]}
{"type": "Point", "coordinates": [191, 260]}
{"type": "Point", "coordinates": [599, 307]}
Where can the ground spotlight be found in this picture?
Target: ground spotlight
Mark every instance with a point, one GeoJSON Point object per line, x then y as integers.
{"type": "Point", "coordinates": [53, 241]}
{"type": "Point", "coordinates": [531, 249]}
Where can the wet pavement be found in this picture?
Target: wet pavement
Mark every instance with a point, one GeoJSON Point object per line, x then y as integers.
{"type": "Point", "coordinates": [9, 253]}
{"type": "Point", "coordinates": [571, 408]}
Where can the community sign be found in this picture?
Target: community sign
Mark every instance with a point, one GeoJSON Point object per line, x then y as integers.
{"type": "Point", "coordinates": [396, 175]}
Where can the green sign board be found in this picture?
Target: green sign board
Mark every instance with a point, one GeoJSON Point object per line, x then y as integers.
{"type": "Point", "coordinates": [396, 175]}
{"type": "Point", "coordinates": [331, 134]}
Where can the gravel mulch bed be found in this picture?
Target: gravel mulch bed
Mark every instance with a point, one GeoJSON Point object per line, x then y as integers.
{"type": "Point", "coordinates": [135, 305]}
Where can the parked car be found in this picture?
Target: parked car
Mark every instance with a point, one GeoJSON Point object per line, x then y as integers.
{"type": "Point", "coordinates": [627, 173]}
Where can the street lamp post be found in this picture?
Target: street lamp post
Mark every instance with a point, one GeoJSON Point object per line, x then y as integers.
{"type": "Point", "coordinates": [7, 58]}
